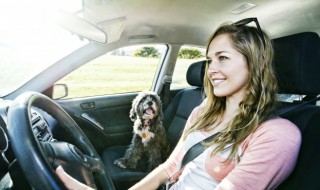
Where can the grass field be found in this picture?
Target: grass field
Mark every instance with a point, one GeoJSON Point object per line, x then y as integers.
{"type": "Point", "coordinates": [118, 74]}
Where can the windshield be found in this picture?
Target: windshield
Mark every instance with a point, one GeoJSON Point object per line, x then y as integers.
{"type": "Point", "coordinates": [29, 42]}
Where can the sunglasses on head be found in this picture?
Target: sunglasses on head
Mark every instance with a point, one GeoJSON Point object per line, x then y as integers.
{"type": "Point", "coordinates": [247, 21]}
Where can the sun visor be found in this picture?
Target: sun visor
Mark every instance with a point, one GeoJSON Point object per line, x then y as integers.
{"type": "Point", "coordinates": [103, 32]}
{"type": "Point", "coordinates": [113, 28]}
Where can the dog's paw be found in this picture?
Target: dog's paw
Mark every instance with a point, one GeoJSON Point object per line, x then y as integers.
{"type": "Point", "coordinates": [119, 162]}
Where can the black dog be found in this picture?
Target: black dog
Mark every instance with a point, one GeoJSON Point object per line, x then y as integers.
{"type": "Point", "coordinates": [149, 136]}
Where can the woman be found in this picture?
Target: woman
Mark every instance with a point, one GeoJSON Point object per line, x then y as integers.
{"type": "Point", "coordinates": [253, 150]}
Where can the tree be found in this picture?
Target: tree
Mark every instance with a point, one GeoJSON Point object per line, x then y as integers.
{"type": "Point", "coordinates": [189, 53]}
{"type": "Point", "coordinates": [147, 52]}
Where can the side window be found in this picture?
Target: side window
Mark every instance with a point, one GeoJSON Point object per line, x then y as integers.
{"type": "Point", "coordinates": [128, 69]}
{"type": "Point", "coordinates": [187, 56]}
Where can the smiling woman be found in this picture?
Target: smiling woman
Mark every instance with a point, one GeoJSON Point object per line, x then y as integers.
{"type": "Point", "coordinates": [29, 43]}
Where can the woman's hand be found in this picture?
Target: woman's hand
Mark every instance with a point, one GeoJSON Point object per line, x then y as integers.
{"type": "Point", "coordinates": [70, 182]}
{"type": "Point", "coordinates": [152, 180]}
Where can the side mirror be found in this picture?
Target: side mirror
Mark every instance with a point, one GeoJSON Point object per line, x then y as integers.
{"type": "Point", "coordinates": [59, 91]}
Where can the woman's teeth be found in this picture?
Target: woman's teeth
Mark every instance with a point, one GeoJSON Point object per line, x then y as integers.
{"type": "Point", "coordinates": [218, 81]}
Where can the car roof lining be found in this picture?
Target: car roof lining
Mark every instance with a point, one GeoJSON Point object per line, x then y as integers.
{"type": "Point", "coordinates": [202, 18]}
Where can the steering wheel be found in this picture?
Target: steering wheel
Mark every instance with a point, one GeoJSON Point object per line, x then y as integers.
{"type": "Point", "coordinates": [38, 159]}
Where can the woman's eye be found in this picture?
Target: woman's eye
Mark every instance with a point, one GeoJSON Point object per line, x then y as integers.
{"type": "Point", "coordinates": [221, 58]}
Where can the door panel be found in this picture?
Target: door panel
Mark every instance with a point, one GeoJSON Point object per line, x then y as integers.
{"type": "Point", "coordinates": [105, 118]}
{"type": "Point", "coordinates": [105, 121]}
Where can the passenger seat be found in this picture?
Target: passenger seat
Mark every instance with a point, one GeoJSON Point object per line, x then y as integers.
{"type": "Point", "coordinates": [178, 111]}
{"type": "Point", "coordinates": [175, 117]}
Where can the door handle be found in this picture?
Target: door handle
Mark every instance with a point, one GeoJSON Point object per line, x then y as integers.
{"type": "Point", "coordinates": [87, 105]}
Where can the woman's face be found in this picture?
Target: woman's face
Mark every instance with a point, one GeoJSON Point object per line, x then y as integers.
{"type": "Point", "coordinates": [228, 71]}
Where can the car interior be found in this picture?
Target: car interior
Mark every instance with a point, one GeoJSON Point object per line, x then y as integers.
{"type": "Point", "coordinates": [38, 132]}
{"type": "Point", "coordinates": [299, 52]}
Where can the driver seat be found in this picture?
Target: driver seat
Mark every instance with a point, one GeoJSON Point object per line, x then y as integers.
{"type": "Point", "coordinates": [297, 63]}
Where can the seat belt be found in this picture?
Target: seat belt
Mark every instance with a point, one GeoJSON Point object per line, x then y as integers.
{"type": "Point", "coordinates": [190, 155]}
{"type": "Point", "coordinates": [196, 150]}
{"type": "Point", "coordinates": [166, 87]}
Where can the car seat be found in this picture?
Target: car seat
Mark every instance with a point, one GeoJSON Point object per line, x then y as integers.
{"type": "Point", "coordinates": [297, 64]}
{"type": "Point", "coordinates": [174, 119]}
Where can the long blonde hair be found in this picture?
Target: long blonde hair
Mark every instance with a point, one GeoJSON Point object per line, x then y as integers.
{"type": "Point", "coordinates": [260, 97]}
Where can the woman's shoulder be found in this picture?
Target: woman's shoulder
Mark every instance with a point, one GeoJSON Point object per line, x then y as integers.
{"type": "Point", "coordinates": [278, 125]}
{"type": "Point", "coordinates": [276, 130]}
{"type": "Point", "coordinates": [197, 110]}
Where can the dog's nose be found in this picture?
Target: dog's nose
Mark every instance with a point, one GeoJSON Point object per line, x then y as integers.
{"type": "Point", "coordinates": [150, 103]}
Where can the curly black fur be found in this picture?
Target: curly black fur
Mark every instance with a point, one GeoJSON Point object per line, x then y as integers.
{"type": "Point", "coordinates": [146, 113]}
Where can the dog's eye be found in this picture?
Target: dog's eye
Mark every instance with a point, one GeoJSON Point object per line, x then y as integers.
{"type": "Point", "coordinates": [142, 99]}
{"type": "Point", "coordinates": [154, 99]}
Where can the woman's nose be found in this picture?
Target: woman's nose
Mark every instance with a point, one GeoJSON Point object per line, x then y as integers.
{"type": "Point", "coordinates": [213, 66]}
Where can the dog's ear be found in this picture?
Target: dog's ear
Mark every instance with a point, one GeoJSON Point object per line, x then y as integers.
{"type": "Point", "coordinates": [159, 101]}
{"type": "Point", "coordinates": [133, 114]}
{"type": "Point", "coordinates": [133, 111]}
{"type": "Point", "coordinates": [159, 104]}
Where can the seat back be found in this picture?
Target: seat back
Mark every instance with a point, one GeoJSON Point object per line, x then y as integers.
{"type": "Point", "coordinates": [178, 111]}
{"type": "Point", "coordinates": [297, 64]}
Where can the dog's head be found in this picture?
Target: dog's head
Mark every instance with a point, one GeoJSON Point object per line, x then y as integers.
{"type": "Point", "coordinates": [147, 106]}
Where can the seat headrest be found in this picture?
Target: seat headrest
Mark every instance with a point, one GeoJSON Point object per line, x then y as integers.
{"type": "Point", "coordinates": [297, 63]}
{"type": "Point", "coordinates": [195, 73]}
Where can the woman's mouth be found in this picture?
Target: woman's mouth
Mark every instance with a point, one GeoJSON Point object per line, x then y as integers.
{"type": "Point", "coordinates": [217, 81]}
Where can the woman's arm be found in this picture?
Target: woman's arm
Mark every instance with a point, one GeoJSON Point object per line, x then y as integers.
{"type": "Point", "coordinates": [268, 158]}
{"type": "Point", "coordinates": [153, 180]}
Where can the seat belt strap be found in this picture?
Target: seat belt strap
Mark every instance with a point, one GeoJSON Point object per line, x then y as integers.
{"type": "Point", "coordinates": [196, 150]}
{"type": "Point", "coordinates": [166, 87]}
